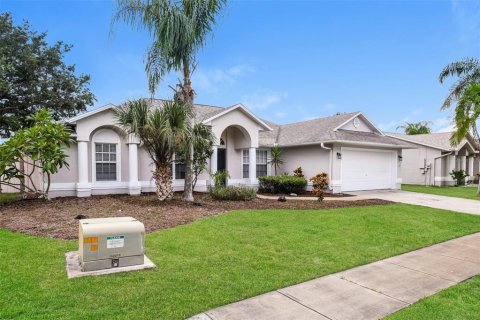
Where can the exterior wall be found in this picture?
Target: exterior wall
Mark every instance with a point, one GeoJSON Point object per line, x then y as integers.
{"type": "Point", "coordinates": [418, 165]}
{"type": "Point", "coordinates": [36, 180]}
{"type": "Point", "coordinates": [313, 159]}
{"type": "Point", "coordinates": [240, 131]}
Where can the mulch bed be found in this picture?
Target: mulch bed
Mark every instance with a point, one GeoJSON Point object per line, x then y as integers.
{"type": "Point", "coordinates": [56, 218]}
{"type": "Point", "coordinates": [309, 194]}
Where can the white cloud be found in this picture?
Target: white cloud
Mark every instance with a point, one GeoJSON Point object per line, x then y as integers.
{"type": "Point", "coordinates": [263, 100]}
{"type": "Point", "coordinates": [281, 114]}
{"type": "Point", "coordinates": [329, 106]}
{"type": "Point", "coordinates": [417, 111]}
{"type": "Point", "coordinates": [241, 70]}
{"type": "Point", "coordinates": [443, 124]}
{"type": "Point", "coordinates": [211, 80]}
{"type": "Point", "coordinates": [466, 16]}
{"type": "Point", "coordinates": [392, 125]}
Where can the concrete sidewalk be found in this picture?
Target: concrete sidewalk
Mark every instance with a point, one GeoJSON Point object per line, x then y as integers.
{"type": "Point", "coordinates": [422, 199]}
{"type": "Point", "coordinates": [371, 291]}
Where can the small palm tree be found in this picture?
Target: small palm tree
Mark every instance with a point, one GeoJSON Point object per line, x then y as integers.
{"type": "Point", "coordinates": [276, 158]}
{"type": "Point", "coordinates": [179, 30]}
{"type": "Point", "coordinates": [161, 131]}
{"type": "Point", "coordinates": [412, 128]}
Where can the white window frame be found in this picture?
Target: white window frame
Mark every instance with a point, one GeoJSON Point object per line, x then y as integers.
{"type": "Point", "coordinates": [110, 138]}
{"type": "Point", "coordinates": [247, 152]}
{"type": "Point", "coordinates": [266, 161]}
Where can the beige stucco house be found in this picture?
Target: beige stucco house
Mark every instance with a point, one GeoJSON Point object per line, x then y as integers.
{"type": "Point", "coordinates": [434, 158]}
{"type": "Point", "coordinates": [349, 147]}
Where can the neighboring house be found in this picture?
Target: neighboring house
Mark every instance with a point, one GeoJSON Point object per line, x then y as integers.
{"type": "Point", "coordinates": [434, 158]}
{"type": "Point", "coordinates": [349, 147]}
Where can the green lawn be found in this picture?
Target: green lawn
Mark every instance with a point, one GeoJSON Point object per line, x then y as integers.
{"type": "Point", "coordinates": [7, 197]}
{"type": "Point", "coordinates": [456, 303]}
{"type": "Point", "coordinates": [469, 192]}
{"type": "Point", "coordinates": [216, 261]}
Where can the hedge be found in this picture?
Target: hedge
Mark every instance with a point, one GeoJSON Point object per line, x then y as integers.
{"type": "Point", "coordinates": [232, 193]}
{"type": "Point", "coordinates": [282, 184]}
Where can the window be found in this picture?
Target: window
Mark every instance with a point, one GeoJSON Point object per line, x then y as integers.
{"type": "Point", "coordinates": [261, 163]}
{"type": "Point", "coordinates": [179, 168]}
{"type": "Point", "coordinates": [245, 162]}
{"type": "Point", "coordinates": [106, 161]}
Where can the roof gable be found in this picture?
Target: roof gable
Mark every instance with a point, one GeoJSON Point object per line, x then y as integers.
{"type": "Point", "coordinates": [359, 122]}
{"type": "Point", "coordinates": [244, 110]}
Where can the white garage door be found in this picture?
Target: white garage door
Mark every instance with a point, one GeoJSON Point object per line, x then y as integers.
{"type": "Point", "coordinates": [368, 170]}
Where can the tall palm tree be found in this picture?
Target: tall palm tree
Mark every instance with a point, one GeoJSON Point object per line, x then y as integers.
{"type": "Point", "coordinates": [467, 71]}
{"type": "Point", "coordinates": [179, 29]}
{"type": "Point", "coordinates": [161, 131]}
{"type": "Point", "coordinates": [467, 113]}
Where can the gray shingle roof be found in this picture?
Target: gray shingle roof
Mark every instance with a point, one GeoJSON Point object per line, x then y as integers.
{"type": "Point", "coordinates": [440, 140]}
{"type": "Point", "coordinates": [202, 111]}
{"type": "Point", "coordinates": [321, 130]}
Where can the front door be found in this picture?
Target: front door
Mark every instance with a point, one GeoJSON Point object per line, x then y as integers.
{"type": "Point", "coordinates": [221, 159]}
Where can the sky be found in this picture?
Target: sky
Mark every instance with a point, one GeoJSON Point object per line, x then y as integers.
{"type": "Point", "coordinates": [286, 61]}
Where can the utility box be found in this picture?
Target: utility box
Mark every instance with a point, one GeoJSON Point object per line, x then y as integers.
{"type": "Point", "coordinates": [110, 243]}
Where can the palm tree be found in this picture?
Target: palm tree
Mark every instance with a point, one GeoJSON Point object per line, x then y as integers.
{"type": "Point", "coordinates": [467, 113]}
{"type": "Point", "coordinates": [161, 131]}
{"type": "Point", "coordinates": [412, 128]}
{"type": "Point", "coordinates": [276, 158]}
{"type": "Point", "coordinates": [467, 71]}
{"type": "Point", "coordinates": [179, 29]}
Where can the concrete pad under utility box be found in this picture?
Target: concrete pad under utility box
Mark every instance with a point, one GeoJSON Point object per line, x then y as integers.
{"type": "Point", "coordinates": [395, 281]}
{"type": "Point", "coordinates": [340, 299]}
{"type": "Point", "coordinates": [274, 306]}
{"type": "Point", "coordinates": [74, 269]}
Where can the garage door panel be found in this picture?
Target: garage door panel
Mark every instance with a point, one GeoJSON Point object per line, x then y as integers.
{"type": "Point", "coordinates": [367, 170]}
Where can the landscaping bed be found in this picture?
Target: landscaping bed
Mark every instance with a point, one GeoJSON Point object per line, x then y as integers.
{"type": "Point", "coordinates": [55, 218]}
{"type": "Point", "coordinates": [308, 194]}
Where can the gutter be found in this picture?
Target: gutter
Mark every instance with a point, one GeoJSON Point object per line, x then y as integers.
{"type": "Point", "coordinates": [322, 145]}
{"type": "Point", "coordinates": [435, 161]}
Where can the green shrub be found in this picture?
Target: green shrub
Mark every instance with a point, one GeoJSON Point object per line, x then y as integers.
{"type": "Point", "coordinates": [220, 178]}
{"type": "Point", "coordinates": [282, 184]}
{"type": "Point", "coordinates": [232, 193]}
{"type": "Point", "coordinates": [458, 176]}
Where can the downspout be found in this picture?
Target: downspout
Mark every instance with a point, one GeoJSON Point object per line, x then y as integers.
{"type": "Point", "coordinates": [329, 164]}
{"type": "Point", "coordinates": [435, 161]}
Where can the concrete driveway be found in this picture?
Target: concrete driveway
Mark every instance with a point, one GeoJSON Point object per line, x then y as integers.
{"type": "Point", "coordinates": [423, 199]}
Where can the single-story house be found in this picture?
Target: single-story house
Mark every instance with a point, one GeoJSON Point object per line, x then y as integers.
{"type": "Point", "coordinates": [434, 158]}
{"type": "Point", "coordinates": [348, 146]}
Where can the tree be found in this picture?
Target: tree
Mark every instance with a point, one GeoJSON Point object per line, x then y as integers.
{"type": "Point", "coordinates": [467, 71]}
{"type": "Point", "coordinates": [466, 92]}
{"type": "Point", "coordinates": [161, 131]}
{"type": "Point", "coordinates": [276, 158]}
{"type": "Point", "coordinates": [203, 140]}
{"type": "Point", "coordinates": [179, 29]}
{"type": "Point", "coordinates": [42, 146]}
{"type": "Point", "coordinates": [412, 128]}
{"type": "Point", "coordinates": [33, 76]}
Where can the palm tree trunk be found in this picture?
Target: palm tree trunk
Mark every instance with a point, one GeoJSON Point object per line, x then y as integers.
{"type": "Point", "coordinates": [187, 96]}
{"type": "Point", "coordinates": [163, 180]}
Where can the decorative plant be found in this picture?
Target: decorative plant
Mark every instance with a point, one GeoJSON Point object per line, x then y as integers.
{"type": "Point", "coordinates": [41, 147]}
{"type": "Point", "coordinates": [282, 184]}
{"type": "Point", "coordinates": [319, 182]}
{"type": "Point", "coordinates": [298, 172]}
{"type": "Point", "coordinates": [458, 176]}
{"type": "Point", "coordinates": [220, 178]}
{"type": "Point", "coordinates": [276, 158]}
{"type": "Point", "coordinates": [162, 131]}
